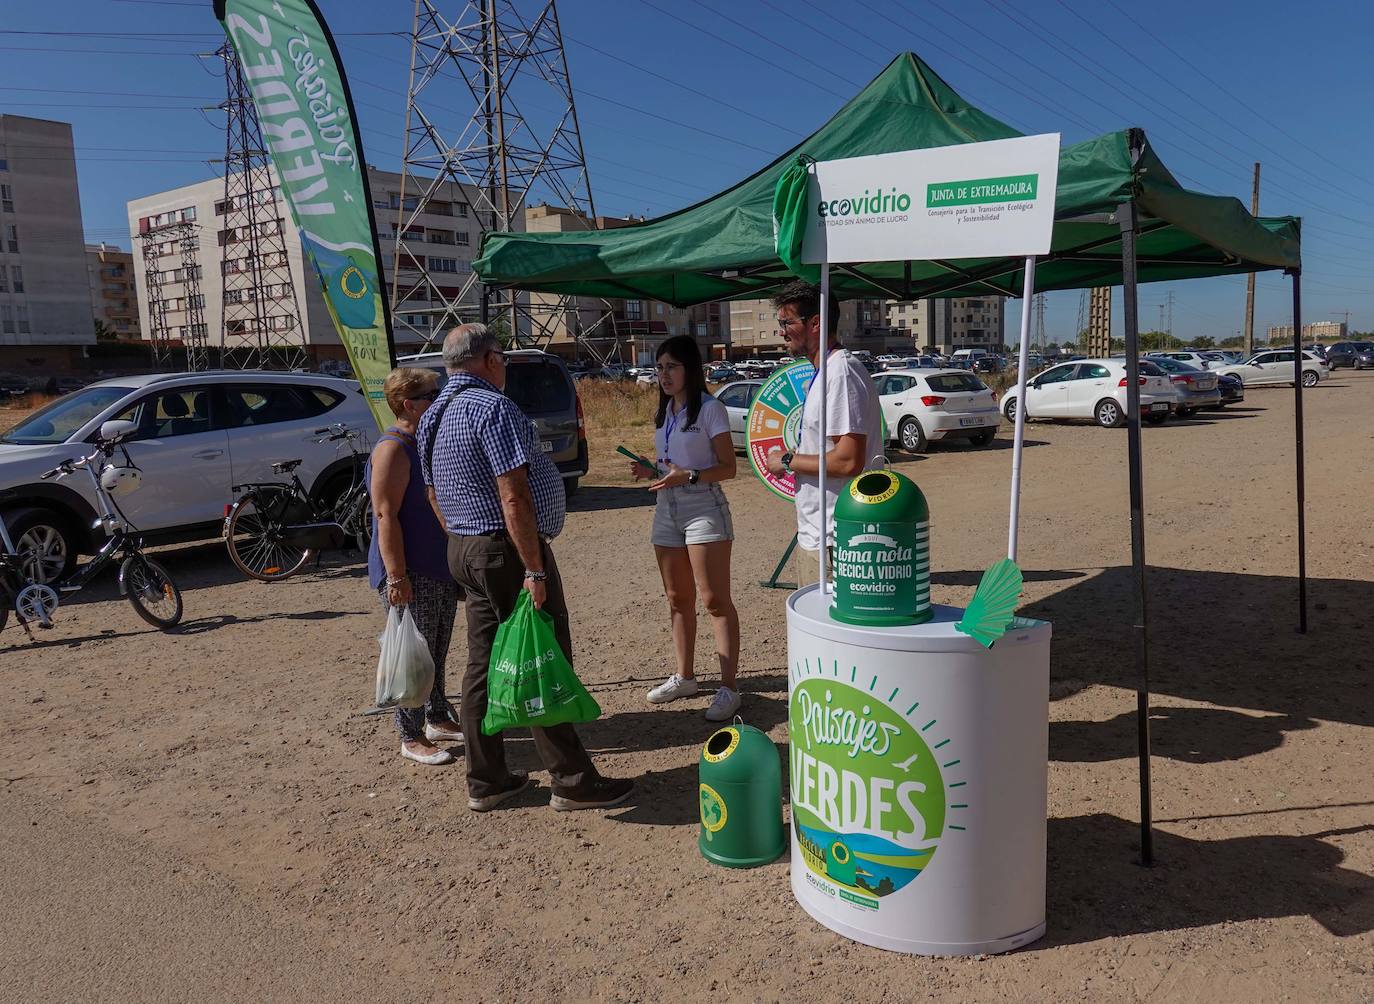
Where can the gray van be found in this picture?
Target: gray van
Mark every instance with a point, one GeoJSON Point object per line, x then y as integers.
{"type": "Point", "coordinates": [543, 388]}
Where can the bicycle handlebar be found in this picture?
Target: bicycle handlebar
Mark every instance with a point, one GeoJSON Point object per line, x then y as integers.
{"type": "Point", "coordinates": [63, 469]}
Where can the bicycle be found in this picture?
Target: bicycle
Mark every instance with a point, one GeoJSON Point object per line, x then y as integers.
{"type": "Point", "coordinates": [147, 585]}
{"type": "Point", "coordinates": [273, 528]}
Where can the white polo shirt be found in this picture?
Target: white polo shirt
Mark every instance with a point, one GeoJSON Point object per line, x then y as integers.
{"type": "Point", "coordinates": [851, 407]}
{"type": "Point", "coordinates": [689, 445]}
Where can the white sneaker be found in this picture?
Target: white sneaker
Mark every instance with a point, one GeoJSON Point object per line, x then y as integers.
{"type": "Point", "coordinates": [723, 705]}
{"type": "Point", "coordinates": [673, 688]}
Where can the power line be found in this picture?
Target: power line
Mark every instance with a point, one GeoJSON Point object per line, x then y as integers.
{"type": "Point", "coordinates": [1269, 151]}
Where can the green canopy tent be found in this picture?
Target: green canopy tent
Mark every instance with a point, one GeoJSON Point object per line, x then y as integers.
{"type": "Point", "coordinates": [1120, 218]}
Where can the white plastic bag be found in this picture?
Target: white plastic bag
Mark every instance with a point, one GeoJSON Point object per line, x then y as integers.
{"type": "Point", "coordinates": [405, 670]}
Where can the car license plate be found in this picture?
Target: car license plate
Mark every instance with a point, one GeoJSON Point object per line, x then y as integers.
{"type": "Point", "coordinates": [971, 420]}
{"type": "Point", "coordinates": [546, 445]}
{"type": "Point", "coordinates": [1159, 406]}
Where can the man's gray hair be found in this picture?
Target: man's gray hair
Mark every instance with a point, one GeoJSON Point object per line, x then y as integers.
{"type": "Point", "coordinates": [466, 343]}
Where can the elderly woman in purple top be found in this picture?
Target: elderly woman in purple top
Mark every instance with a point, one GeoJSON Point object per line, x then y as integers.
{"type": "Point", "coordinates": [408, 562]}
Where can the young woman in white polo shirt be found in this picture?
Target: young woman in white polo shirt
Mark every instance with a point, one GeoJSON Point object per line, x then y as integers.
{"type": "Point", "coordinates": [692, 530]}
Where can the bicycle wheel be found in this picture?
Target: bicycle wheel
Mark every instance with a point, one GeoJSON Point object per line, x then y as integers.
{"type": "Point", "coordinates": [357, 520]}
{"type": "Point", "coordinates": [253, 535]}
{"type": "Point", "coordinates": [155, 597]}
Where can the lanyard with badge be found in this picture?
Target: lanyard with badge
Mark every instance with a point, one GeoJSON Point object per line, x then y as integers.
{"type": "Point", "coordinates": [669, 424]}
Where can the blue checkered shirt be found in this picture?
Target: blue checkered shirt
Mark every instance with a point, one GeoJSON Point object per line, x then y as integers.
{"type": "Point", "coordinates": [478, 436]}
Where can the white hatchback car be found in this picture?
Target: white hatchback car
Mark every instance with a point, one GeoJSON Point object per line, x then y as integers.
{"type": "Point", "coordinates": [925, 406]}
{"type": "Point", "coordinates": [199, 434]}
{"type": "Point", "coordinates": [1276, 367]}
{"type": "Point", "coordinates": [1096, 389]}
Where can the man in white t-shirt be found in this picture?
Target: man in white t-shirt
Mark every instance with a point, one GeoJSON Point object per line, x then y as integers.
{"type": "Point", "coordinates": [853, 418]}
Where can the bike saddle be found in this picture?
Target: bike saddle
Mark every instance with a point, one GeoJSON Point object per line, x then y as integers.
{"type": "Point", "coordinates": [286, 466]}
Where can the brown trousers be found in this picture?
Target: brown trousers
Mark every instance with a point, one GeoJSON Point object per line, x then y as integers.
{"type": "Point", "coordinates": [490, 572]}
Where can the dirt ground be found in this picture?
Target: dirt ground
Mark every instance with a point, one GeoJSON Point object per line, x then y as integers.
{"type": "Point", "coordinates": [208, 814]}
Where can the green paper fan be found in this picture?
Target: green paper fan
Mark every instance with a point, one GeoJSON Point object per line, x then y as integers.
{"type": "Point", "coordinates": [993, 605]}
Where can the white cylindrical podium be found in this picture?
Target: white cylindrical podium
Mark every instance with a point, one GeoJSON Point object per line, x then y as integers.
{"type": "Point", "coordinates": [918, 764]}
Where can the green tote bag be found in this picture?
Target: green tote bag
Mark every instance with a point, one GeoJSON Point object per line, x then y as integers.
{"type": "Point", "coordinates": [529, 680]}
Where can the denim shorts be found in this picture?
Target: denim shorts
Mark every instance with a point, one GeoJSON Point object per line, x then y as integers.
{"type": "Point", "coordinates": [691, 514]}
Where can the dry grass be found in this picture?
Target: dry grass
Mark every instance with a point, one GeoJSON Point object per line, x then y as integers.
{"type": "Point", "coordinates": [619, 404]}
{"type": "Point", "coordinates": [20, 407]}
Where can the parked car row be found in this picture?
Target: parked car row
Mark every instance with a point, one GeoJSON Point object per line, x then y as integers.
{"type": "Point", "coordinates": [199, 434]}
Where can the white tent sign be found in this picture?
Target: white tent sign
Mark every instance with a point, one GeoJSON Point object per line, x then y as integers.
{"type": "Point", "coordinates": [975, 200]}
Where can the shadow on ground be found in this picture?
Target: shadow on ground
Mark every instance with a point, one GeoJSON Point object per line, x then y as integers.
{"type": "Point", "coordinates": [1220, 637]}
{"type": "Point", "coordinates": [1189, 735]}
{"type": "Point", "coordinates": [1096, 890]}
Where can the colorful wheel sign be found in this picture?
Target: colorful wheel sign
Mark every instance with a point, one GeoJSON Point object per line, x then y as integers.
{"type": "Point", "coordinates": [775, 420]}
{"type": "Point", "coordinates": [775, 423]}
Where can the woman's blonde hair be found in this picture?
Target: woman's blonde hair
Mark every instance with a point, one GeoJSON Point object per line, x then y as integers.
{"type": "Point", "coordinates": [405, 382]}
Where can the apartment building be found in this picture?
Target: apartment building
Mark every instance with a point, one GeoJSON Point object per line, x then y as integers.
{"type": "Point", "coordinates": [440, 245]}
{"type": "Point", "coordinates": [114, 300]}
{"type": "Point", "coordinates": [863, 325]}
{"type": "Point", "coordinates": [950, 324]}
{"type": "Point", "coordinates": [45, 294]}
{"type": "Point", "coordinates": [1282, 334]}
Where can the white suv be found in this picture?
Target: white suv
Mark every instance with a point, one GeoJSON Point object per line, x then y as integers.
{"type": "Point", "coordinates": [1096, 389]}
{"type": "Point", "coordinates": [198, 435]}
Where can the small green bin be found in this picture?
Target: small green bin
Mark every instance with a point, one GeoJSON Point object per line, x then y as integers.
{"type": "Point", "coordinates": [881, 556]}
{"type": "Point", "coordinates": [740, 798]}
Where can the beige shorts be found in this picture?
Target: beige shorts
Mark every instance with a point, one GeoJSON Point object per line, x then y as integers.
{"type": "Point", "coordinates": [691, 514]}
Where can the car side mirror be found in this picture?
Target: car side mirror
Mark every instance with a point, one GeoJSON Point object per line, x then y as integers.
{"type": "Point", "coordinates": [114, 431]}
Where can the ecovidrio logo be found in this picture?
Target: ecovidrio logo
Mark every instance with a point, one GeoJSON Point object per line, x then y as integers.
{"type": "Point", "coordinates": [871, 203]}
{"type": "Point", "coordinates": [868, 788]}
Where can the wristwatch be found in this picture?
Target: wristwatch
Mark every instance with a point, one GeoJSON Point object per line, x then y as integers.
{"type": "Point", "coordinates": [693, 477]}
{"type": "Point", "coordinates": [786, 459]}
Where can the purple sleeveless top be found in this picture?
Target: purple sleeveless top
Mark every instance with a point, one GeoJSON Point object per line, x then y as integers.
{"type": "Point", "coordinates": [426, 543]}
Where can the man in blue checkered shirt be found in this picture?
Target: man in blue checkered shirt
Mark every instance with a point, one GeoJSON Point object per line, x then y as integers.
{"type": "Point", "coordinates": [501, 500]}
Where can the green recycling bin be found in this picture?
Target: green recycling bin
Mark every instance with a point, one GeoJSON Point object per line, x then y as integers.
{"type": "Point", "coordinates": [881, 556]}
{"type": "Point", "coordinates": [740, 797]}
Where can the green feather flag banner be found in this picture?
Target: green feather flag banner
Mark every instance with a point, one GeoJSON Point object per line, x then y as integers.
{"type": "Point", "coordinates": [293, 70]}
{"type": "Point", "coordinates": [993, 605]}
{"type": "Point", "coordinates": [789, 218]}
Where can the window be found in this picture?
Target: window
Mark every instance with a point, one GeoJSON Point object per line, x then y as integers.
{"type": "Point", "coordinates": [735, 396]}
{"type": "Point", "coordinates": [184, 411]}
{"type": "Point", "coordinates": [21, 316]}
{"type": "Point", "coordinates": [660, 309]}
{"type": "Point", "coordinates": [6, 319]}
{"type": "Point", "coordinates": [3, 287]}
{"type": "Point", "coordinates": [1057, 375]}
{"type": "Point", "coordinates": [11, 238]}
{"type": "Point", "coordinates": [438, 237]}
{"type": "Point", "coordinates": [461, 238]}
{"type": "Point", "coordinates": [462, 208]}
{"type": "Point", "coordinates": [266, 404]}
{"type": "Point", "coordinates": [6, 199]}
{"type": "Point", "coordinates": [5, 165]}
{"type": "Point", "coordinates": [634, 310]}
{"type": "Point", "coordinates": [443, 264]}
{"type": "Point", "coordinates": [17, 274]}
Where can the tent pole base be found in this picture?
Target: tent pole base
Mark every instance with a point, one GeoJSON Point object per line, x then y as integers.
{"type": "Point", "coordinates": [772, 582]}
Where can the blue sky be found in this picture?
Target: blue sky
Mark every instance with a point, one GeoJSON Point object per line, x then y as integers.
{"type": "Point", "coordinates": [678, 101]}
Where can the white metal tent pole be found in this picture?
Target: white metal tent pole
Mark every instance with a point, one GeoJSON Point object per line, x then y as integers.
{"type": "Point", "coordinates": [1018, 438]}
{"type": "Point", "coordinates": [824, 447]}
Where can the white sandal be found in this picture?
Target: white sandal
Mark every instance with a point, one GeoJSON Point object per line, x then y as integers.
{"type": "Point", "coordinates": [436, 759]}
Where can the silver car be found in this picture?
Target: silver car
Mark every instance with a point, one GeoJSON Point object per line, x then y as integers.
{"type": "Point", "coordinates": [737, 397]}
{"type": "Point", "coordinates": [1194, 389]}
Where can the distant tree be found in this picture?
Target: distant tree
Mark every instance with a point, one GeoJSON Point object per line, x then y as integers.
{"type": "Point", "coordinates": [104, 333]}
{"type": "Point", "coordinates": [1071, 346]}
{"type": "Point", "coordinates": [1234, 342]}
{"type": "Point", "coordinates": [1153, 341]}
{"type": "Point", "coordinates": [1203, 342]}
